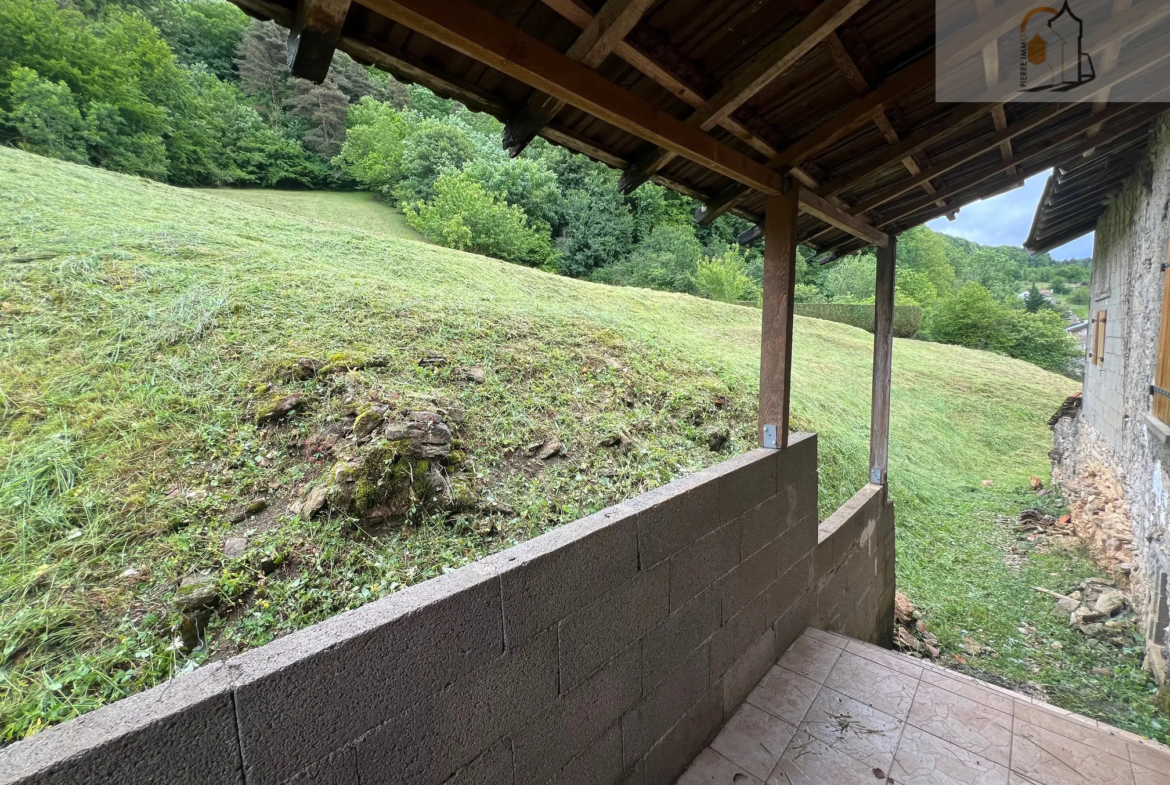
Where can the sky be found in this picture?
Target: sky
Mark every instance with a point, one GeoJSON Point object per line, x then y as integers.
{"type": "Point", "coordinates": [1005, 220]}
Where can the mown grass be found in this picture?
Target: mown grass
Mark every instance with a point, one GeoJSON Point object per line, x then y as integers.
{"type": "Point", "coordinates": [356, 210]}
{"type": "Point", "coordinates": [134, 341]}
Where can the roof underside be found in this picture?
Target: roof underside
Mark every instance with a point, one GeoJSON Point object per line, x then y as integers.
{"type": "Point", "coordinates": [839, 116]}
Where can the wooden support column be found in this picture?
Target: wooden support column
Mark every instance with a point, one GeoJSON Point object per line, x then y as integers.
{"type": "Point", "coordinates": [776, 329]}
{"type": "Point", "coordinates": [883, 355]}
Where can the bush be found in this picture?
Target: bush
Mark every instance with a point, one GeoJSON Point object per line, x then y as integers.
{"type": "Point", "coordinates": [808, 293]}
{"type": "Point", "coordinates": [666, 260]}
{"type": "Point", "coordinates": [724, 278]}
{"type": "Point", "coordinates": [374, 143]}
{"type": "Point", "coordinates": [907, 318]}
{"type": "Point", "coordinates": [1079, 295]}
{"type": "Point", "coordinates": [463, 215]}
{"type": "Point", "coordinates": [433, 149]}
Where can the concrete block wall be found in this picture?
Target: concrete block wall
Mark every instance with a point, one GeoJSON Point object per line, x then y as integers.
{"type": "Point", "coordinates": [609, 650]}
{"type": "Point", "coordinates": [853, 569]}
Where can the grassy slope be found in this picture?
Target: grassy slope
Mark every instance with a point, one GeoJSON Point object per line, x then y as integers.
{"type": "Point", "coordinates": [357, 210]}
{"type": "Point", "coordinates": [128, 360]}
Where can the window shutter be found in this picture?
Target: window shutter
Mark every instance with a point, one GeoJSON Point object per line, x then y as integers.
{"type": "Point", "coordinates": [1161, 404]}
{"type": "Point", "coordinates": [1097, 354]}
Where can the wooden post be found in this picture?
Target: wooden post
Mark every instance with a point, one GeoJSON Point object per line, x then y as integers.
{"type": "Point", "coordinates": [776, 330]}
{"type": "Point", "coordinates": [883, 354]}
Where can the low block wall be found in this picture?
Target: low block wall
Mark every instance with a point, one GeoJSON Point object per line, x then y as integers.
{"type": "Point", "coordinates": [610, 649]}
{"type": "Point", "coordinates": [853, 568]}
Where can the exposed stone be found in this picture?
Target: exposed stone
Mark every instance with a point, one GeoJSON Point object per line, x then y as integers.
{"type": "Point", "coordinates": [197, 591]}
{"type": "Point", "coordinates": [305, 368]}
{"type": "Point", "coordinates": [193, 629]}
{"type": "Point", "coordinates": [278, 407]}
{"type": "Point", "coordinates": [130, 574]}
{"type": "Point", "coordinates": [717, 440]}
{"type": "Point", "coordinates": [475, 375]}
{"type": "Point", "coordinates": [550, 449]}
{"type": "Point", "coordinates": [1065, 606]}
{"type": "Point", "coordinates": [235, 547]}
{"type": "Point", "coordinates": [256, 506]}
{"type": "Point", "coordinates": [1110, 602]}
{"type": "Point", "coordinates": [369, 421]}
{"type": "Point", "coordinates": [433, 361]}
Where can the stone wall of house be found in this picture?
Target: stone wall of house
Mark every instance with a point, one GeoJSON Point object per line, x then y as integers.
{"type": "Point", "coordinates": [1110, 461]}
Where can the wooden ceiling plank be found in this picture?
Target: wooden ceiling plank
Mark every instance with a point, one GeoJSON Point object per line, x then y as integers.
{"type": "Point", "coordinates": [595, 43]}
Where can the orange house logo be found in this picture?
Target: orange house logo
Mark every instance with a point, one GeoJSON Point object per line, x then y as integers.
{"type": "Point", "coordinates": [1052, 57]}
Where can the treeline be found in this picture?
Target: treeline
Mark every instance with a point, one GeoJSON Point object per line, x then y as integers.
{"type": "Point", "coordinates": [192, 92]}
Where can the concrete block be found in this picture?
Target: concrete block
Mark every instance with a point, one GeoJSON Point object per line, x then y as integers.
{"type": "Point", "coordinates": [792, 585]}
{"type": "Point", "coordinates": [790, 625]}
{"type": "Point", "coordinates": [682, 632]}
{"type": "Point", "coordinates": [437, 737]}
{"type": "Point", "coordinates": [737, 634]}
{"type": "Point", "coordinates": [692, 509]}
{"type": "Point", "coordinates": [547, 578]}
{"type": "Point", "coordinates": [337, 768]}
{"type": "Point", "coordinates": [599, 764]}
{"type": "Point", "coordinates": [750, 578]}
{"type": "Point", "coordinates": [594, 634]}
{"type": "Point", "coordinates": [848, 527]}
{"type": "Point", "coordinates": [556, 735]}
{"type": "Point", "coordinates": [703, 562]}
{"type": "Point", "coordinates": [493, 767]}
{"type": "Point", "coordinates": [181, 732]}
{"type": "Point", "coordinates": [303, 696]}
{"type": "Point", "coordinates": [667, 759]}
{"type": "Point", "coordinates": [636, 775]}
{"type": "Point", "coordinates": [750, 480]}
{"type": "Point", "coordinates": [762, 524]}
{"type": "Point", "coordinates": [742, 677]}
{"type": "Point", "coordinates": [662, 707]}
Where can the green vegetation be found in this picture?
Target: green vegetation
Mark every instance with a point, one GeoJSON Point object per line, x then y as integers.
{"type": "Point", "coordinates": [144, 327]}
{"type": "Point", "coordinates": [907, 318]}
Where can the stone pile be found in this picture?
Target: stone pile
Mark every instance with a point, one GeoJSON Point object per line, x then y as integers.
{"type": "Point", "coordinates": [1097, 609]}
{"type": "Point", "coordinates": [1100, 518]}
{"type": "Point", "coordinates": [910, 633]}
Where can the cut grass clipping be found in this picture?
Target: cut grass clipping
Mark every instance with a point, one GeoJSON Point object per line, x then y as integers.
{"type": "Point", "coordinates": [144, 323]}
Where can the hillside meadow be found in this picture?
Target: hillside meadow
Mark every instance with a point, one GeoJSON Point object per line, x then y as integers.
{"type": "Point", "coordinates": [144, 328]}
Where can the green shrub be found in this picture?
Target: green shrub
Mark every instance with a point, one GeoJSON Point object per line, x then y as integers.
{"type": "Point", "coordinates": [666, 260]}
{"type": "Point", "coordinates": [907, 318]}
{"type": "Point", "coordinates": [465, 216]}
{"type": "Point", "coordinates": [724, 278]}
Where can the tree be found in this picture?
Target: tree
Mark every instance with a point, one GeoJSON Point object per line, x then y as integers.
{"type": "Point", "coordinates": [852, 279]}
{"type": "Point", "coordinates": [374, 143]}
{"type": "Point", "coordinates": [464, 215]}
{"type": "Point", "coordinates": [1034, 301]}
{"type": "Point", "coordinates": [666, 260]}
{"type": "Point", "coordinates": [723, 278]}
{"type": "Point", "coordinates": [260, 59]}
{"type": "Point", "coordinates": [323, 108]}
{"type": "Point", "coordinates": [598, 227]}
{"type": "Point", "coordinates": [46, 117]}
{"type": "Point", "coordinates": [435, 147]}
{"type": "Point", "coordinates": [924, 251]}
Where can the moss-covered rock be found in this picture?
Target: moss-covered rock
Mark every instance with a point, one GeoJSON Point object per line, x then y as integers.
{"type": "Point", "coordinates": [384, 481]}
{"type": "Point", "coordinates": [277, 407]}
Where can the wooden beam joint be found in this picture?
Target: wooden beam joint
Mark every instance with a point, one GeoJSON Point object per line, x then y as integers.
{"type": "Point", "coordinates": [313, 36]}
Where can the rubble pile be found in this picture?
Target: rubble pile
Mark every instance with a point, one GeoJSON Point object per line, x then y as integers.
{"type": "Point", "coordinates": [1100, 518]}
{"type": "Point", "coordinates": [910, 633]}
{"type": "Point", "coordinates": [1097, 609]}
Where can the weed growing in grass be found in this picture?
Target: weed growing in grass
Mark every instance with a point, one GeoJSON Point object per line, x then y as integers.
{"type": "Point", "coordinates": [131, 360]}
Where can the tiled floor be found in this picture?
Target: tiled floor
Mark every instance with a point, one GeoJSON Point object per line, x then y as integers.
{"type": "Point", "coordinates": [835, 711]}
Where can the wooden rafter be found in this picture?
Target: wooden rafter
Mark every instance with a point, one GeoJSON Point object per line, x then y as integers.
{"type": "Point", "coordinates": [991, 78]}
{"type": "Point", "coordinates": [595, 43]}
{"type": "Point", "coordinates": [476, 33]}
{"type": "Point", "coordinates": [313, 36]}
{"type": "Point", "coordinates": [749, 79]}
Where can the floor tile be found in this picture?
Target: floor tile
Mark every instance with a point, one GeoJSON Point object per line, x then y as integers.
{"type": "Point", "coordinates": [899, 662]}
{"type": "Point", "coordinates": [1144, 776]}
{"type": "Point", "coordinates": [849, 726]}
{"type": "Point", "coordinates": [1150, 756]}
{"type": "Point", "coordinates": [711, 768]}
{"type": "Point", "coordinates": [784, 694]}
{"type": "Point", "coordinates": [924, 759]}
{"type": "Point", "coordinates": [808, 761]}
{"type": "Point", "coordinates": [811, 658]}
{"type": "Point", "coordinates": [875, 685]}
{"type": "Point", "coordinates": [1020, 779]}
{"type": "Point", "coordinates": [831, 638]}
{"type": "Point", "coordinates": [754, 740]}
{"type": "Point", "coordinates": [995, 700]}
{"type": "Point", "coordinates": [1052, 759]}
{"type": "Point", "coordinates": [1072, 726]}
{"type": "Point", "coordinates": [980, 729]}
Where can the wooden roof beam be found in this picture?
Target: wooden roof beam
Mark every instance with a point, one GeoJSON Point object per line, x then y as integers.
{"type": "Point", "coordinates": [475, 32]}
{"type": "Point", "coordinates": [312, 38]}
{"type": "Point", "coordinates": [599, 38]}
{"type": "Point", "coordinates": [902, 84]}
{"type": "Point", "coordinates": [750, 78]}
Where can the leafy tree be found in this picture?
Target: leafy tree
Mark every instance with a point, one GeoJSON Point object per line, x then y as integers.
{"type": "Point", "coordinates": [427, 103]}
{"type": "Point", "coordinates": [724, 278]}
{"type": "Point", "coordinates": [666, 260]}
{"type": "Point", "coordinates": [598, 227]}
{"type": "Point", "coordinates": [200, 32]}
{"type": "Point", "coordinates": [923, 251]}
{"type": "Point", "coordinates": [1079, 295]}
{"type": "Point", "coordinates": [375, 141]}
{"type": "Point", "coordinates": [852, 279]}
{"type": "Point", "coordinates": [1034, 301]}
{"type": "Point", "coordinates": [466, 216]}
{"type": "Point", "coordinates": [809, 293]}
{"type": "Point", "coordinates": [46, 117]}
{"type": "Point", "coordinates": [433, 149]}
{"type": "Point", "coordinates": [526, 183]}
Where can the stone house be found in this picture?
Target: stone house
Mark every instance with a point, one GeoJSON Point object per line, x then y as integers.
{"type": "Point", "coordinates": [1111, 458]}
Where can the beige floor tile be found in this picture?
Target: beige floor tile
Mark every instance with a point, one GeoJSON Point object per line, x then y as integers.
{"type": "Point", "coordinates": [784, 694]}
{"type": "Point", "coordinates": [811, 658]}
{"type": "Point", "coordinates": [849, 726]}
{"type": "Point", "coordinates": [924, 759]}
{"type": "Point", "coordinates": [754, 740]}
{"type": "Point", "coordinates": [875, 685]}
{"type": "Point", "coordinates": [967, 689]}
{"type": "Point", "coordinates": [1052, 759]}
{"type": "Point", "coordinates": [900, 662]}
{"type": "Point", "coordinates": [1073, 726]}
{"type": "Point", "coordinates": [808, 761]}
{"type": "Point", "coordinates": [976, 728]}
{"type": "Point", "coordinates": [1144, 776]}
{"type": "Point", "coordinates": [831, 638]}
{"type": "Point", "coordinates": [711, 768]}
{"type": "Point", "coordinates": [1150, 755]}
{"type": "Point", "coordinates": [1020, 779]}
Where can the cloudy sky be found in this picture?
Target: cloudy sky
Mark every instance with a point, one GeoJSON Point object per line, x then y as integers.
{"type": "Point", "coordinates": [1005, 220]}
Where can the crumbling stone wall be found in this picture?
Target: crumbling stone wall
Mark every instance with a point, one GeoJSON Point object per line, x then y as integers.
{"type": "Point", "coordinates": [1109, 461]}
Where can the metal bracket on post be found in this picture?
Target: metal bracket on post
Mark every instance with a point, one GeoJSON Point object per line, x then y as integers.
{"type": "Point", "coordinates": [875, 476]}
{"type": "Point", "coordinates": [770, 440]}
